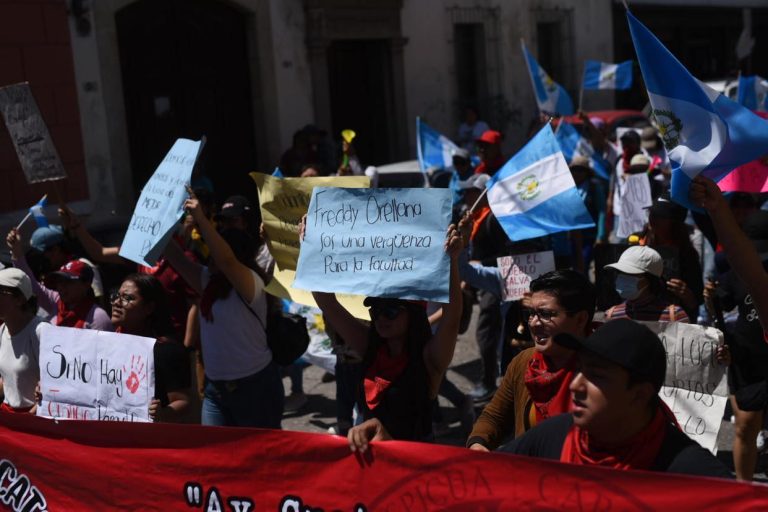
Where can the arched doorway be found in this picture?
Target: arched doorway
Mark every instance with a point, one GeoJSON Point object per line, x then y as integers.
{"type": "Point", "coordinates": [185, 74]}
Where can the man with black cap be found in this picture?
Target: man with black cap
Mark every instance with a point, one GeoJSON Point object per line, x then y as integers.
{"type": "Point", "coordinates": [617, 418]}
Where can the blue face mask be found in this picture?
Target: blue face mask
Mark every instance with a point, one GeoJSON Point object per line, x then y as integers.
{"type": "Point", "coordinates": [628, 286]}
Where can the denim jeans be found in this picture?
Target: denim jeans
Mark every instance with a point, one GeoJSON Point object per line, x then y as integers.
{"type": "Point", "coordinates": [253, 401]}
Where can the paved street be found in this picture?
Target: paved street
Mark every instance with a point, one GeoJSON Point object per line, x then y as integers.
{"type": "Point", "coordinates": [319, 413]}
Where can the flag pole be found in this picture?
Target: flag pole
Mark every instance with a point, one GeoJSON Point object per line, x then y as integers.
{"type": "Point", "coordinates": [29, 213]}
{"type": "Point", "coordinates": [530, 74]}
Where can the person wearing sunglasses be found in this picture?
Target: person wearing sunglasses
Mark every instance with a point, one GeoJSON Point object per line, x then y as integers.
{"type": "Point", "coordinates": [140, 307]}
{"type": "Point", "coordinates": [19, 342]}
{"type": "Point", "coordinates": [403, 362]}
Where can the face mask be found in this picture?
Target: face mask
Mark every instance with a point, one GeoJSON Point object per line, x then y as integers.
{"type": "Point", "coordinates": [627, 286]}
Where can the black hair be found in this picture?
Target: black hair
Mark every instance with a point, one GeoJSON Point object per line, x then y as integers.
{"type": "Point", "coordinates": [419, 332]}
{"type": "Point", "coordinates": [151, 290]}
{"type": "Point", "coordinates": [572, 290]}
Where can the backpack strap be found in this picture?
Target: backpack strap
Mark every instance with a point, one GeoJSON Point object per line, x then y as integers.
{"type": "Point", "coordinates": [248, 306]}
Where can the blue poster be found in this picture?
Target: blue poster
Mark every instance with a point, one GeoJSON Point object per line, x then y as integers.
{"type": "Point", "coordinates": [160, 205]}
{"type": "Point", "coordinates": [377, 242]}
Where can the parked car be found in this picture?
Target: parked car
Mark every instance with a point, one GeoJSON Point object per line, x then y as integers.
{"type": "Point", "coordinates": [612, 118]}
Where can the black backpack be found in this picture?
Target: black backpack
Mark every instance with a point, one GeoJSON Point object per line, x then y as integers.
{"type": "Point", "coordinates": [287, 335]}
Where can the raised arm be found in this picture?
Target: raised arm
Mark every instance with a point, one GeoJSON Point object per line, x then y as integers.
{"type": "Point", "coordinates": [353, 331]}
{"type": "Point", "coordinates": [237, 273]}
{"type": "Point", "coordinates": [47, 299]}
{"type": "Point", "coordinates": [741, 254]}
{"type": "Point", "coordinates": [189, 270]}
{"type": "Point", "coordinates": [438, 351]}
{"type": "Point", "coordinates": [93, 247]}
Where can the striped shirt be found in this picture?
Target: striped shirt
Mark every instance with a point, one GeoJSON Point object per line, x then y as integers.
{"type": "Point", "coordinates": [652, 309]}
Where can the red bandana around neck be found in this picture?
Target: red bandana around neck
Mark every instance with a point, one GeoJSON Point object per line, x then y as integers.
{"type": "Point", "coordinates": [217, 288]}
{"type": "Point", "coordinates": [381, 374]}
{"type": "Point", "coordinates": [74, 317]}
{"type": "Point", "coordinates": [549, 389]}
{"type": "Point", "coordinates": [638, 452]}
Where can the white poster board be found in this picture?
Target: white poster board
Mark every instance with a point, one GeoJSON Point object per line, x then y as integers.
{"type": "Point", "coordinates": [695, 388]}
{"type": "Point", "coordinates": [95, 375]}
{"type": "Point", "coordinates": [635, 197]}
{"type": "Point", "coordinates": [519, 270]}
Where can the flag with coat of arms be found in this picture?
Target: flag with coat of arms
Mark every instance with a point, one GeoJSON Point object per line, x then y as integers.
{"type": "Point", "coordinates": [703, 131]}
{"type": "Point", "coordinates": [432, 147]}
{"type": "Point", "coordinates": [573, 144]}
{"type": "Point", "coordinates": [551, 97]}
{"type": "Point", "coordinates": [604, 75]}
{"type": "Point", "coordinates": [534, 194]}
{"type": "Point", "coordinates": [753, 92]}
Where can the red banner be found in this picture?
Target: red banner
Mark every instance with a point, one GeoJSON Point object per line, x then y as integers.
{"type": "Point", "coordinates": [78, 465]}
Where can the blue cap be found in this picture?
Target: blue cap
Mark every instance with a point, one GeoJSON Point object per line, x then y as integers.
{"type": "Point", "coordinates": [47, 237]}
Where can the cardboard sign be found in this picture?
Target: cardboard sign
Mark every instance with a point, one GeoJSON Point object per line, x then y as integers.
{"type": "Point", "coordinates": [635, 197]}
{"type": "Point", "coordinates": [283, 201]}
{"type": "Point", "coordinates": [377, 242]}
{"type": "Point", "coordinates": [695, 387]}
{"type": "Point", "coordinates": [159, 207]}
{"type": "Point", "coordinates": [38, 157]}
{"type": "Point", "coordinates": [95, 375]}
{"type": "Point", "coordinates": [519, 270]}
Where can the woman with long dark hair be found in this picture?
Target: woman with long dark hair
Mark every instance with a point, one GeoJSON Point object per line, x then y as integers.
{"type": "Point", "coordinates": [403, 362]}
{"type": "Point", "coordinates": [242, 383]}
{"type": "Point", "coordinates": [140, 308]}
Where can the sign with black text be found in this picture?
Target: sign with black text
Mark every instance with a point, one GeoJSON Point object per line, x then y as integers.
{"type": "Point", "coordinates": [519, 270]}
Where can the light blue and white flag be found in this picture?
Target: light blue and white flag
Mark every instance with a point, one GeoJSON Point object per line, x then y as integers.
{"type": "Point", "coordinates": [573, 144]}
{"type": "Point", "coordinates": [37, 212]}
{"type": "Point", "coordinates": [703, 131]}
{"type": "Point", "coordinates": [433, 148]}
{"type": "Point", "coordinates": [551, 97]}
{"type": "Point", "coordinates": [534, 193]}
{"type": "Point", "coordinates": [753, 93]}
{"type": "Point", "coordinates": [603, 75]}
{"type": "Point", "coordinates": [277, 173]}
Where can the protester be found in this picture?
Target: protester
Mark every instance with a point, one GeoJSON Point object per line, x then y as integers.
{"type": "Point", "coordinates": [140, 308]}
{"type": "Point", "coordinates": [242, 383]}
{"type": "Point", "coordinates": [639, 283]}
{"type": "Point", "coordinates": [67, 295]}
{"type": "Point", "coordinates": [489, 150]}
{"type": "Point", "coordinates": [618, 420]}
{"type": "Point", "coordinates": [535, 385]}
{"type": "Point", "coordinates": [403, 362]}
{"type": "Point", "coordinates": [593, 193]}
{"type": "Point", "coordinates": [630, 144]}
{"type": "Point", "coordinates": [19, 342]}
{"type": "Point", "coordinates": [471, 129]}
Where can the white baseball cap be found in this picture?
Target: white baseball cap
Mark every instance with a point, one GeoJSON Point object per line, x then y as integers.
{"type": "Point", "coordinates": [639, 259]}
{"type": "Point", "coordinates": [15, 278]}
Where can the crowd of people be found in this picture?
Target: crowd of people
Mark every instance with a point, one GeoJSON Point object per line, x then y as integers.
{"type": "Point", "coordinates": [566, 372]}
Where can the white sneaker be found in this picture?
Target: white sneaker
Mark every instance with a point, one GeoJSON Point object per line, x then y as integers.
{"type": "Point", "coordinates": [294, 402]}
{"type": "Point", "coordinates": [760, 441]}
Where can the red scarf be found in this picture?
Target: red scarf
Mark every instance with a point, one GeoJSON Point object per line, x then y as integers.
{"type": "Point", "coordinates": [478, 217]}
{"type": "Point", "coordinates": [20, 410]}
{"type": "Point", "coordinates": [74, 317]}
{"type": "Point", "coordinates": [549, 390]}
{"type": "Point", "coordinates": [381, 374]}
{"type": "Point", "coordinates": [218, 287]}
{"type": "Point", "coordinates": [638, 452]}
{"type": "Point", "coordinates": [626, 159]}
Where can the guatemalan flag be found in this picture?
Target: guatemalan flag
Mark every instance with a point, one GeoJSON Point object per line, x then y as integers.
{"type": "Point", "coordinates": [534, 194]}
{"type": "Point", "coordinates": [433, 148]}
{"type": "Point", "coordinates": [704, 132]}
{"type": "Point", "coordinates": [37, 212]}
{"type": "Point", "coordinates": [603, 75]}
{"type": "Point", "coordinates": [573, 144]}
{"type": "Point", "coordinates": [753, 93]}
{"type": "Point", "coordinates": [551, 97]}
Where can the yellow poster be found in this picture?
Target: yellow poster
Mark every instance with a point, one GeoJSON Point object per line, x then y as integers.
{"type": "Point", "coordinates": [283, 202]}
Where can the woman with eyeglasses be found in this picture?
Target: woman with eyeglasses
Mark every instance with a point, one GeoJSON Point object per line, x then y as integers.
{"type": "Point", "coordinates": [242, 382]}
{"type": "Point", "coordinates": [403, 362]}
{"type": "Point", "coordinates": [19, 342]}
{"type": "Point", "coordinates": [140, 308]}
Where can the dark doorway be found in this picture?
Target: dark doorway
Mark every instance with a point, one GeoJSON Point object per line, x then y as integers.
{"type": "Point", "coordinates": [185, 74]}
{"type": "Point", "coordinates": [360, 75]}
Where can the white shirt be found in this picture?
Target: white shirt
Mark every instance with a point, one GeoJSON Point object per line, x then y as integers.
{"type": "Point", "coordinates": [235, 344]}
{"type": "Point", "coordinates": [19, 363]}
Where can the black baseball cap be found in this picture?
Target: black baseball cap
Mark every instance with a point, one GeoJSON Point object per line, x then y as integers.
{"type": "Point", "coordinates": [629, 344]}
{"type": "Point", "coordinates": [233, 207]}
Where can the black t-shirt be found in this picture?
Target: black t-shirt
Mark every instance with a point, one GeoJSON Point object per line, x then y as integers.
{"type": "Point", "coordinates": [172, 370]}
{"type": "Point", "coordinates": [678, 453]}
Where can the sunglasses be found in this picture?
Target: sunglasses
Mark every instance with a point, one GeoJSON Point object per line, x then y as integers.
{"type": "Point", "coordinates": [545, 315]}
{"type": "Point", "coordinates": [388, 312]}
{"type": "Point", "coordinates": [123, 298]}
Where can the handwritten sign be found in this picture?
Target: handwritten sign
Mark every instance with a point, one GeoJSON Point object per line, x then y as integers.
{"type": "Point", "coordinates": [95, 375]}
{"type": "Point", "coordinates": [519, 270]}
{"type": "Point", "coordinates": [284, 201]}
{"type": "Point", "coordinates": [695, 388]}
{"type": "Point", "coordinates": [160, 205]}
{"type": "Point", "coordinates": [38, 157]}
{"type": "Point", "coordinates": [635, 197]}
{"type": "Point", "coordinates": [377, 242]}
